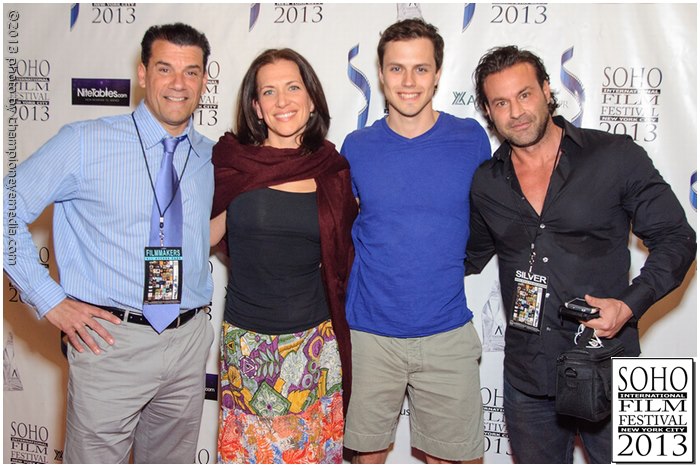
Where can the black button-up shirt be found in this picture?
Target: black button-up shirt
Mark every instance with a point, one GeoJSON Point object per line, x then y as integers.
{"type": "Point", "coordinates": [602, 185]}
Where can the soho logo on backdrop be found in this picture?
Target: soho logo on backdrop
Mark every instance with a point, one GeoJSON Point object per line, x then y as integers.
{"type": "Point", "coordinates": [207, 113]}
{"type": "Point", "coordinates": [653, 410]}
{"type": "Point", "coordinates": [29, 443]}
{"type": "Point", "coordinates": [32, 89]}
{"type": "Point", "coordinates": [630, 98]}
{"type": "Point", "coordinates": [495, 432]}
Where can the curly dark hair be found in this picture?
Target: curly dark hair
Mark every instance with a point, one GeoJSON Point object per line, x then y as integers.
{"type": "Point", "coordinates": [500, 58]}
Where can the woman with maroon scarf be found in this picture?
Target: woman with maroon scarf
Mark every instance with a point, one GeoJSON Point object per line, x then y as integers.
{"type": "Point", "coordinates": [283, 205]}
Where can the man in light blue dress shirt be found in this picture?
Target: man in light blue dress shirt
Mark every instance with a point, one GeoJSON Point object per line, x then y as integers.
{"type": "Point", "coordinates": [130, 387]}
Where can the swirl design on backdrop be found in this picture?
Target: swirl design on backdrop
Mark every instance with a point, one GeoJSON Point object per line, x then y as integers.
{"type": "Point", "coordinates": [74, 10]}
{"type": "Point", "coordinates": [254, 13]}
{"type": "Point", "coordinates": [359, 80]}
{"type": "Point", "coordinates": [469, 9]}
{"type": "Point", "coordinates": [694, 190]}
{"type": "Point", "coordinates": [573, 85]}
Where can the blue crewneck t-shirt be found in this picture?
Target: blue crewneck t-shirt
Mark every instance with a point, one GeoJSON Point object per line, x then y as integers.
{"type": "Point", "coordinates": [410, 236]}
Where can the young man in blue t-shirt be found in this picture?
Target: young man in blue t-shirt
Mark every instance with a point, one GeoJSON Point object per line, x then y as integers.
{"type": "Point", "coordinates": [411, 328]}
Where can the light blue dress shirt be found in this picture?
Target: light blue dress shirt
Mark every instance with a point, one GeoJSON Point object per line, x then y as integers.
{"type": "Point", "coordinates": [94, 172]}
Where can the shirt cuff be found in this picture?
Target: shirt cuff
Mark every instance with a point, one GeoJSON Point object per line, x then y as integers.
{"type": "Point", "coordinates": [46, 297]}
{"type": "Point", "coordinates": [639, 298]}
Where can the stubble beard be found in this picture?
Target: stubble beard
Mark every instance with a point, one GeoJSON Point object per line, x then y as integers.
{"type": "Point", "coordinates": [541, 131]}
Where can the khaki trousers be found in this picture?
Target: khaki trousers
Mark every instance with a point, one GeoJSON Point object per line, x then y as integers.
{"type": "Point", "coordinates": [144, 393]}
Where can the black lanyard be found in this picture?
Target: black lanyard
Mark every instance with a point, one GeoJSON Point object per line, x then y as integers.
{"type": "Point", "coordinates": [533, 254]}
{"type": "Point", "coordinates": [150, 178]}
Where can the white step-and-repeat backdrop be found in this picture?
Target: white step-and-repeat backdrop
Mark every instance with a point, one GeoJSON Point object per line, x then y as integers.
{"type": "Point", "coordinates": [623, 68]}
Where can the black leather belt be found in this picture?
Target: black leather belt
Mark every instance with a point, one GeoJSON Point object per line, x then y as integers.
{"type": "Point", "coordinates": [138, 318]}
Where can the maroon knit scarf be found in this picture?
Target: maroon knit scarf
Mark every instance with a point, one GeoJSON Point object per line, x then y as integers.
{"type": "Point", "coordinates": [240, 168]}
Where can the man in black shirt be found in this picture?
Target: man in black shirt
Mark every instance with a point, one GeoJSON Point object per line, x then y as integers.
{"type": "Point", "coordinates": [555, 204]}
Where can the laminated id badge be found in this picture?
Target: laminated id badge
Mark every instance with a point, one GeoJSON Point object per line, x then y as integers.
{"type": "Point", "coordinates": [163, 275]}
{"type": "Point", "coordinates": [528, 301]}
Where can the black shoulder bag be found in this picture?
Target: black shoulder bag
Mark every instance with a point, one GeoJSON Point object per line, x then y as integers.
{"type": "Point", "coordinates": [584, 378]}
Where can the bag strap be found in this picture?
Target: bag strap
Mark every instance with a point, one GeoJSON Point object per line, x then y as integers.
{"type": "Point", "coordinates": [582, 337]}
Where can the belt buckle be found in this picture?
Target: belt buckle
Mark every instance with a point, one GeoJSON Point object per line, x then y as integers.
{"type": "Point", "coordinates": [125, 315]}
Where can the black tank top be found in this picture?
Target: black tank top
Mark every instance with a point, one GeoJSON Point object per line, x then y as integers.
{"type": "Point", "coordinates": [275, 284]}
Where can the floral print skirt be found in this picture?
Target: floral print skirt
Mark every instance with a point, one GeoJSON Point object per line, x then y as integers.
{"type": "Point", "coordinates": [281, 397]}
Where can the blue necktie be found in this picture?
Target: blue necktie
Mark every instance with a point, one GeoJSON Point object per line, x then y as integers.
{"type": "Point", "coordinates": [167, 208]}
